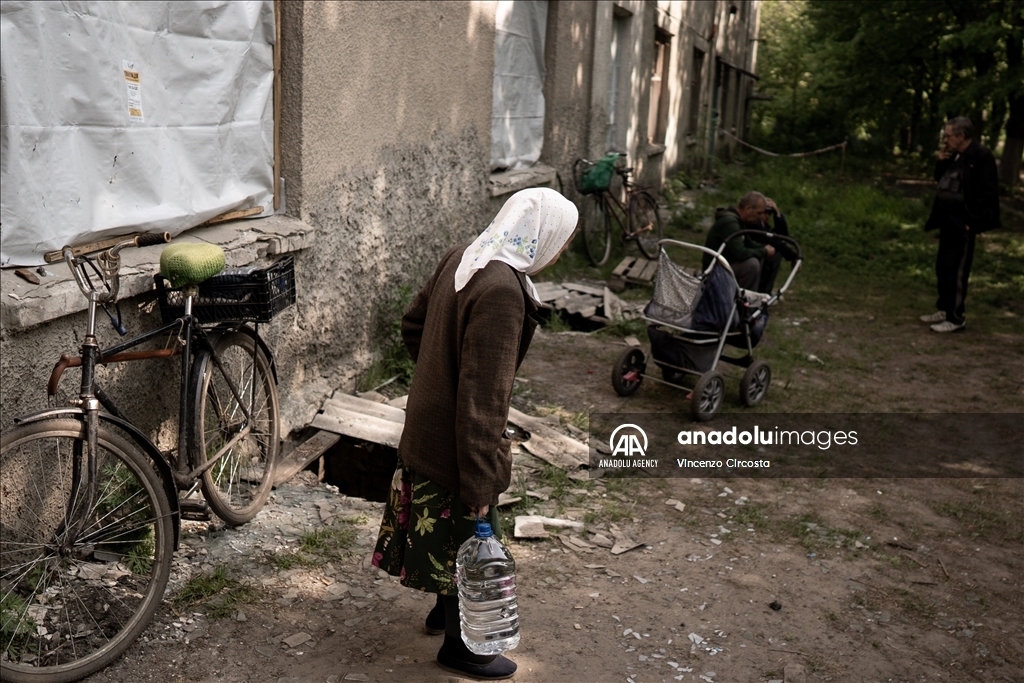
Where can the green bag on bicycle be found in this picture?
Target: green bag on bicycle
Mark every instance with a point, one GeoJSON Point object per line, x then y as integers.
{"type": "Point", "coordinates": [598, 177]}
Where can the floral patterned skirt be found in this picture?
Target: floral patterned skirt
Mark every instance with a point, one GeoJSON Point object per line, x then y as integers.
{"type": "Point", "coordinates": [422, 529]}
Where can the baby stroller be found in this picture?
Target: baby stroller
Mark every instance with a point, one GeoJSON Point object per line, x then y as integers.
{"type": "Point", "coordinates": [691, 319]}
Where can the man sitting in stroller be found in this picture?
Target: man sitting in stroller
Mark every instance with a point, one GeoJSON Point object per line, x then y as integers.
{"type": "Point", "coordinates": [754, 263]}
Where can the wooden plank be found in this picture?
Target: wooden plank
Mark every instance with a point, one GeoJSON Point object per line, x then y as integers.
{"type": "Point", "coordinates": [648, 273]}
{"type": "Point", "coordinates": [357, 425]}
{"type": "Point", "coordinates": [588, 312]}
{"type": "Point", "coordinates": [572, 299]}
{"type": "Point", "coordinates": [233, 215]}
{"type": "Point", "coordinates": [277, 104]}
{"type": "Point", "coordinates": [366, 407]}
{"type": "Point", "coordinates": [586, 289]}
{"type": "Point", "coordinates": [550, 292]}
{"type": "Point", "coordinates": [580, 302]}
{"type": "Point", "coordinates": [624, 265]}
{"type": "Point", "coordinates": [637, 268]}
{"type": "Point", "coordinates": [307, 452]}
{"type": "Point", "coordinates": [58, 255]}
{"type": "Point", "coordinates": [550, 445]}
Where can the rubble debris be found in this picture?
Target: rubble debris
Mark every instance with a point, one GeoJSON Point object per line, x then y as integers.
{"type": "Point", "coordinates": [550, 445]}
{"type": "Point", "coordinates": [532, 526]}
{"type": "Point", "coordinates": [623, 543]}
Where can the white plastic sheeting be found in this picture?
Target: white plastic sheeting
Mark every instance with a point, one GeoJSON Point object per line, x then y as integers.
{"type": "Point", "coordinates": [126, 116]}
{"type": "Point", "coordinates": [517, 124]}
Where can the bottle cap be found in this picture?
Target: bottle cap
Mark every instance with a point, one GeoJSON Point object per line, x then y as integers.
{"type": "Point", "coordinates": [483, 529]}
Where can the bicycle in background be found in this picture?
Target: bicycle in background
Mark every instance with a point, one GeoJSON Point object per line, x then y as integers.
{"type": "Point", "coordinates": [90, 508]}
{"type": "Point", "coordinates": [637, 216]}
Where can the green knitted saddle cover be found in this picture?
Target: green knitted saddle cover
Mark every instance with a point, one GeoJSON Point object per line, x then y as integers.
{"type": "Point", "coordinates": [187, 264]}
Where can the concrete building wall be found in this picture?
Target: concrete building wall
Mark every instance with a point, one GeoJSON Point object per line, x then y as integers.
{"type": "Point", "coordinates": [385, 130]}
{"type": "Point", "coordinates": [389, 138]}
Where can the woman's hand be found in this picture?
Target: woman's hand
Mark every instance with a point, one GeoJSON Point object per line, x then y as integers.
{"type": "Point", "coordinates": [480, 511]}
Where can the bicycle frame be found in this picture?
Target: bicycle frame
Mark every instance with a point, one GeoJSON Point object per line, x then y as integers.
{"type": "Point", "coordinates": [188, 329]}
{"type": "Point", "coordinates": [92, 396]}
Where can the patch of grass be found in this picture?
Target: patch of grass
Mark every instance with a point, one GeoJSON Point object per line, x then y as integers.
{"type": "Point", "coordinates": [555, 322]}
{"type": "Point", "coordinates": [320, 545]}
{"type": "Point", "coordinates": [220, 593]}
{"type": "Point", "coordinates": [981, 519]}
{"type": "Point", "coordinates": [751, 516]}
{"type": "Point", "coordinates": [390, 357]}
{"type": "Point", "coordinates": [814, 535]}
{"type": "Point", "coordinates": [878, 513]}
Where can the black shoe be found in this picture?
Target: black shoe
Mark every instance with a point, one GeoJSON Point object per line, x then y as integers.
{"type": "Point", "coordinates": [455, 657]}
{"type": "Point", "coordinates": [434, 625]}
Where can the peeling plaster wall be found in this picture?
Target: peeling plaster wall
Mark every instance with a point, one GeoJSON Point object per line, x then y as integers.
{"type": "Point", "coordinates": [388, 154]}
{"type": "Point", "coordinates": [569, 56]}
{"type": "Point", "coordinates": [146, 391]}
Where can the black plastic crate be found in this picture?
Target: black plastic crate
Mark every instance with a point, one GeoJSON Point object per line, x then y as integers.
{"type": "Point", "coordinates": [244, 295]}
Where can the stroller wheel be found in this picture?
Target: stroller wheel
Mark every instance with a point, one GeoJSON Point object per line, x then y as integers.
{"type": "Point", "coordinates": [628, 371]}
{"type": "Point", "coordinates": [707, 396]}
{"type": "Point", "coordinates": [754, 384]}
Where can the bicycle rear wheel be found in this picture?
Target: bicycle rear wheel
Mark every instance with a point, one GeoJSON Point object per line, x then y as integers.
{"type": "Point", "coordinates": [79, 579]}
{"type": "Point", "coordinates": [596, 227]}
{"type": "Point", "coordinates": [645, 224]}
{"type": "Point", "coordinates": [239, 483]}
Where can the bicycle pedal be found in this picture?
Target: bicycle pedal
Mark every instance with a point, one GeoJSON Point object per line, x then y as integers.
{"type": "Point", "coordinates": [195, 510]}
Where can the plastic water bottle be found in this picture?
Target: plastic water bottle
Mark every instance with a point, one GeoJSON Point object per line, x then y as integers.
{"type": "Point", "coordinates": [486, 575]}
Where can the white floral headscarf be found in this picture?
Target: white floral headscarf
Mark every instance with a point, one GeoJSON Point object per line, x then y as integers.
{"type": "Point", "coordinates": [527, 234]}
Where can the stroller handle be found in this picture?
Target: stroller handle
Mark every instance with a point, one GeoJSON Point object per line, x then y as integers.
{"type": "Point", "coordinates": [715, 255]}
{"type": "Point", "coordinates": [770, 235]}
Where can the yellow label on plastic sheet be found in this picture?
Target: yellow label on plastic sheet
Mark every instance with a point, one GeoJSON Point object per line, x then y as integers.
{"type": "Point", "coordinates": [133, 81]}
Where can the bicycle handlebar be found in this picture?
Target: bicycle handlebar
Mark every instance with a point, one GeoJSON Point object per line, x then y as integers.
{"type": "Point", "coordinates": [109, 262]}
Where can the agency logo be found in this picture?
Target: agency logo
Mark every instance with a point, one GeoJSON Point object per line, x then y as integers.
{"type": "Point", "coordinates": [627, 444]}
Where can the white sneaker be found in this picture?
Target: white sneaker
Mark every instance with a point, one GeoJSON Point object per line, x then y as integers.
{"type": "Point", "coordinates": [936, 317]}
{"type": "Point", "coordinates": [948, 326]}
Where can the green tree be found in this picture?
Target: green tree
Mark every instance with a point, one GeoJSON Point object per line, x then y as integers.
{"type": "Point", "coordinates": [889, 73]}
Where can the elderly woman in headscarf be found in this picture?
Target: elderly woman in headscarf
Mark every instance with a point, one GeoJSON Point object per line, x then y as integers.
{"type": "Point", "coordinates": [467, 330]}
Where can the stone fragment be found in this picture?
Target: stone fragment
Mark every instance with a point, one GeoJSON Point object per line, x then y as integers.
{"type": "Point", "coordinates": [297, 639]}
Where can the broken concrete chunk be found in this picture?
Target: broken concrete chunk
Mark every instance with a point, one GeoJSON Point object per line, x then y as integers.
{"type": "Point", "coordinates": [297, 639]}
{"type": "Point", "coordinates": [602, 541]}
{"type": "Point", "coordinates": [623, 543]}
{"type": "Point", "coordinates": [532, 526]}
{"type": "Point", "coordinates": [505, 499]}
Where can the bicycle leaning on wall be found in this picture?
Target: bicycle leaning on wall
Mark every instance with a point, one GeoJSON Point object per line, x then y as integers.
{"type": "Point", "coordinates": [90, 509]}
{"type": "Point", "coordinates": [637, 216]}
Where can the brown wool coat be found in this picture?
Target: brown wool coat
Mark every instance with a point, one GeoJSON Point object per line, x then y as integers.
{"type": "Point", "coordinates": [467, 347]}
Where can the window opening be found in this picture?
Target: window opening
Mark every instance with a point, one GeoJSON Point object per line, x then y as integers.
{"type": "Point", "coordinates": [517, 120]}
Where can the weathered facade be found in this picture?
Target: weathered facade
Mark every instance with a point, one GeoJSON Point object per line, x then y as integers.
{"type": "Point", "coordinates": [385, 131]}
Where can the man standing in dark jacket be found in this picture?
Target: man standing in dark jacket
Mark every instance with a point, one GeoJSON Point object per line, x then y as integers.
{"type": "Point", "coordinates": [966, 203]}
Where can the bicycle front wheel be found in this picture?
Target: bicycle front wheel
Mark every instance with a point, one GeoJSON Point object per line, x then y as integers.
{"type": "Point", "coordinates": [645, 224]}
{"type": "Point", "coordinates": [596, 227]}
{"type": "Point", "coordinates": [238, 484]}
{"type": "Point", "coordinates": [80, 574]}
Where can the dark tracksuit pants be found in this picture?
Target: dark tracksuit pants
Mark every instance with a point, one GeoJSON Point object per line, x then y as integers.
{"type": "Point", "coordinates": [953, 268]}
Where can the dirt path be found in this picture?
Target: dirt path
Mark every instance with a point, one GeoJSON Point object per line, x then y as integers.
{"type": "Point", "coordinates": [873, 580]}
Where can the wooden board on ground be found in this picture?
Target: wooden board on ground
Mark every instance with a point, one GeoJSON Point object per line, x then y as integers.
{"type": "Point", "coordinates": [587, 301]}
{"type": "Point", "coordinates": [361, 419]}
{"type": "Point", "coordinates": [550, 445]}
{"type": "Point", "coordinates": [634, 270]}
{"type": "Point", "coordinates": [307, 452]}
